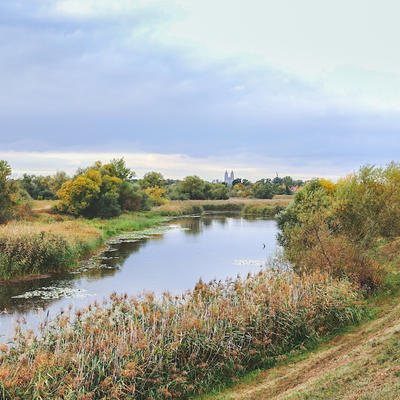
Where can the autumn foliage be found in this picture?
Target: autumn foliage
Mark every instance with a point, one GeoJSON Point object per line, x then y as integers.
{"type": "Point", "coordinates": [103, 190]}
{"type": "Point", "coordinates": [337, 227]}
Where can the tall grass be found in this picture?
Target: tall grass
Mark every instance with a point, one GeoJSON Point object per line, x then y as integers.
{"type": "Point", "coordinates": [125, 223]}
{"type": "Point", "coordinates": [32, 248]}
{"type": "Point", "coordinates": [246, 206]}
{"type": "Point", "coordinates": [176, 346]}
{"type": "Point", "coordinates": [29, 248]}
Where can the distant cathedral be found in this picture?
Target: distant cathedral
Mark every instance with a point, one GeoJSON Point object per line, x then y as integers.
{"type": "Point", "coordinates": [228, 179]}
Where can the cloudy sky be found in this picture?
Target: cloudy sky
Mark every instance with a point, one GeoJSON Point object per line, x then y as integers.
{"type": "Point", "coordinates": [306, 88]}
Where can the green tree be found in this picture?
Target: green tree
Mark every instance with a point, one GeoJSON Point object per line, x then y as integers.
{"type": "Point", "coordinates": [8, 192]}
{"type": "Point", "coordinates": [263, 189]}
{"type": "Point", "coordinates": [151, 179]}
{"type": "Point", "coordinates": [194, 187]}
{"type": "Point", "coordinates": [103, 190]}
{"type": "Point", "coordinates": [219, 191]}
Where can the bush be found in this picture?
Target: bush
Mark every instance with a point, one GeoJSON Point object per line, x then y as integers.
{"type": "Point", "coordinates": [102, 191]}
{"type": "Point", "coordinates": [337, 228]}
{"type": "Point", "coordinates": [261, 209]}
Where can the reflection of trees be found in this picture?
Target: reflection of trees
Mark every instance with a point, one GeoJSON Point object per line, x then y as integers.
{"type": "Point", "coordinates": [192, 225]}
{"type": "Point", "coordinates": [207, 221]}
{"type": "Point", "coordinates": [122, 251]}
{"type": "Point", "coordinates": [221, 220]}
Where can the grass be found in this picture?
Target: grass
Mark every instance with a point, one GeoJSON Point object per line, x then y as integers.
{"type": "Point", "coordinates": [267, 207]}
{"type": "Point", "coordinates": [53, 243]}
{"type": "Point", "coordinates": [43, 205]}
{"type": "Point", "coordinates": [175, 347]}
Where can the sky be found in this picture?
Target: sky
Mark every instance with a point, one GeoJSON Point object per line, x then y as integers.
{"type": "Point", "coordinates": [302, 88]}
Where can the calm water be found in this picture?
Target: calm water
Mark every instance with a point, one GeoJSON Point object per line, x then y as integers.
{"type": "Point", "coordinates": [188, 249]}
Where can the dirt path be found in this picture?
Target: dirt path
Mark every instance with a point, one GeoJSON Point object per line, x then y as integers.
{"type": "Point", "coordinates": [363, 364]}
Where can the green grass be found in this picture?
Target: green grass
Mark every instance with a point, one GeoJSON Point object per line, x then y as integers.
{"type": "Point", "coordinates": [126, 223]}
{"type": "Point", "coordinates": [267, 207]}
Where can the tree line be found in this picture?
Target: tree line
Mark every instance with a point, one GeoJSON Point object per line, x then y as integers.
{"type": "Point", "coordinates": [109, 189]}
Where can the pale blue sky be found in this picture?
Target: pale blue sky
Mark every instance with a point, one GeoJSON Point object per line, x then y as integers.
{"type": "Point", "coordinates": [308, 88]}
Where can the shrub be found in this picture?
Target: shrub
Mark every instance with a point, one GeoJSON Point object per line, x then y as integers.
{"type": "Point", "coordinates": [102, 191]}
{"type": "Point", "coordinates": [262, 209]}
{"type": "Point", "coordinates": [174, 210]}
{"type": "Point", "coordinates": [337, 228]}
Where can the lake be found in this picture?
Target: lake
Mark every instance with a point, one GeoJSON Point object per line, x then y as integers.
{"type": "Point", "coordinates": [171, 258]}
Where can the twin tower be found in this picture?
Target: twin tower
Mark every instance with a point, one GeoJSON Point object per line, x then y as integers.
{"type": "Point", "coordinates": [228, 179]}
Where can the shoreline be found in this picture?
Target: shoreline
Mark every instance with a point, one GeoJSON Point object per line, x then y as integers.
{"type": "Point", "coordinates": [86, 237]}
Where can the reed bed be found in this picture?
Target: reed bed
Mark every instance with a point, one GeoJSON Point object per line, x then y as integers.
{"type": "Point", "coordinates": [176, 346]}
{"type": "Point", "coordinates": [29, 248]}
{"type": "Point", "coordinates": [34, 248]}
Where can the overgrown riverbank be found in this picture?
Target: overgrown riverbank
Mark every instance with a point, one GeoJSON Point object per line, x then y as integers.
{"type": "Point", "coordinates": [53, 243]}
{"type": "Point", "coordinates": [177, 346]}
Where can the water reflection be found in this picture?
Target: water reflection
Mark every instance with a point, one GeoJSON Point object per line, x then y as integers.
{"type": "Point", "coordinates": [213, 246]}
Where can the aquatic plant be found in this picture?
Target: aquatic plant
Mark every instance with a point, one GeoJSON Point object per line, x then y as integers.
{"type": "Point", "coordinates": [176, 346]}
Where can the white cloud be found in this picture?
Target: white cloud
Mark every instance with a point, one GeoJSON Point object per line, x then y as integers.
{"type": "Point", "coordinates": [320, 42]}
{"type": "Point", "coordinates": [175, 166]}
{"type": "Point", "coordinates": [97, 8]}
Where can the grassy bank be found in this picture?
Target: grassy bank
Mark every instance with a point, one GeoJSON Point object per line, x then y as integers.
{"type": "Point", "coordinates": [52, 243]}
{"type": "Point", "coordinates": [268, 207]}
{"type": "Point", "coordinates": [175, 347]}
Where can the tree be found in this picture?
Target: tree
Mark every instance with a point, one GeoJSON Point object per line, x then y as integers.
{"type": "Point", "coordinates": [194, 187]}
{"type": "Point", "coordinates": [219, 191]}
{"type": "Point", "coordinates": [263, 189]}
{"type": "Point", "coordinates": [152, 179]}
{"type": "Point", "coordinates": [132, 198]}
{"type": "Point", "coordinates": [103, 190]}
{"type": "Point", "coordinates": [7, 192]}
{"type": "Point", "coordinates": [157, 195]}
{"type": "Point", "coordinates": [78, 195]}
{"type": "Point", "coordinates": [236, 181]}
{"type": "Point", "coordinates": [277, 181]}
{"type": "Point", "coordinates": [43, 187]}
